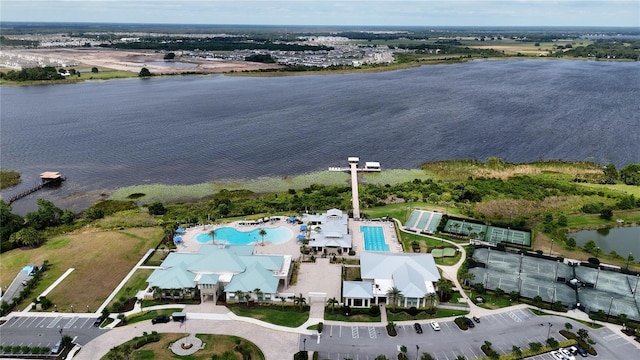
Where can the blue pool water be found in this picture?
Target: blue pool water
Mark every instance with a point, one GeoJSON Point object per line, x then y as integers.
{"type": "Point", "coordinates": [374, 238]}
{"type": "Point", "coordinates": [233, 236]}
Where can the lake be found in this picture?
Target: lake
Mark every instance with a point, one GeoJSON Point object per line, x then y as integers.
{"type": "Point", "coordinates": [624, 240]}
{"type": "Point", "coordinates": [192, 129]}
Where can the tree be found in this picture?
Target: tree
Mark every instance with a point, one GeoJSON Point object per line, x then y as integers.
{"type": "Point", "coordinates": [10, 221]}
{"type": "Point", "coordinates": [94, 70]}
{"type": "Point", "coordinates": [126, 350]}
{"type": "Point", "coordinates": [426, 356]}
{"type": "Point", "coordinates": [169, 56]}
{"type": "Point", "coordinates": [144, 72]}
{"type": "Point", "coordinates": [394, 295]}
{"type": "Point", "coordinates": [212, 233]}
{"type": "Point", "coordinates": [535, 346]}
{"type": "Point", "coordinates": [552, 342]}
{"type": "Point", "coordinates": [630, 174]}
{"type": "Point", "coordinates": [516, 350]}
{"type": "Point", "coordinates": [571, 243]}
{"type": "Point", "coordinates": [283, 300]}
{"type": "Point", "coordinates": [332, 302]}
{"type": "Point", "coordinates": [156, 208]}
{"type": "Point", "coordinates": [467, 277]}
{"type": "Point", "coordinates": [431, 299]}
{"type": "Point", "coordinates": [300, 301]}
{"type": "Point", "coordinates": [610, 174]}
{"type": "Point", "coordinates": [514, 295]}
{"type": "Point", "coordinates": [46, 215]}
{"type": "Point", "coordinates": [381, 357]}
{"type": "Point", "coordinates": [262, 234]}
{"type": "Point", "coordinates": [258, 294]}
{"type": "Point", "coordinates": [444, 289]}
{"type": "Point", "coordinates": [568, 326]}
{"type": "Point", "coordinates": [239, 294]}
{"type": "Point", "coordinates": [583, 334]}
{"type": "Point", "coordinates": [26, 237]}
{"type": "Point", "coordinates": [606, 214]}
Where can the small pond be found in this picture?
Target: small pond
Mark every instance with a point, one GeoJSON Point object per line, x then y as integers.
{"type": "Point", "coordinates": [623, 240]}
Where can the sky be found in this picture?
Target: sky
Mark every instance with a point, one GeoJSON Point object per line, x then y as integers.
{"type": "Point", "coordinates": [624, 13]}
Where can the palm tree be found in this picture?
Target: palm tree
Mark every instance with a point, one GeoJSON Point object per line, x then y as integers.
{"type": "Point", "coordinates": [262, 234]}
{"type": "Point", "coordinates": [332, 302]}
{"type": "Point", "coordinates": [258, 293]}
{"type": "Point", "coordinates": [431, 299]}
{"type": "Point", "coordinates": [467, 277]}
{"type": "Point", "coordinates": [444, 287]}
{"type": "Point", "coordinates": [283, 300]}
{"type": "Point", "coordinates": [212, 233]}
{"type": "Point", "coordinates": [239, 294]}
{"type": "Point", "coordinates": [394, 295]}
{"type": "Point", "coordinates": [300, 301]}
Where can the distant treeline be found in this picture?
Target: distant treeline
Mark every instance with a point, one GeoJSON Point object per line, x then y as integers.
{"type": "Point", "coordinates": [450, 49]}
{"type": "Point", "coordinates": [607, 49]}
{"type": "Point", "coordinates": [213, 44]}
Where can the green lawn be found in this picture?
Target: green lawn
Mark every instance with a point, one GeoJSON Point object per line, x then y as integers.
{"type": "Point", "coordinates": [423, 315]}
{"type": "Point", "coordinates": [148, 315]}
{"type": "Point", "coordinates": [357, 315]}
{"type": "Point", "coordinates": [287, 315]}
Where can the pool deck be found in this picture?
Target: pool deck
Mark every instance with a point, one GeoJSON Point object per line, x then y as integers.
{"type": "Point", "coordinates": [292, 246]}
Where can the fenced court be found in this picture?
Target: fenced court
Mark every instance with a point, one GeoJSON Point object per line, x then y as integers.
{"type": "Point", "coordinates": [423, 221]}
{"type": "Point", "coordinates": [534, 276]}
{"type": "Point", "coordinates": [464, 228]}
{"type": "Point", "coordinates": [496, 235]}
{"type": "Point", "coordinates": [595, 300]}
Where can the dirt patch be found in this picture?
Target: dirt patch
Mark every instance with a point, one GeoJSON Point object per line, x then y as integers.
{"type": "Point", "coordinates": [134, 60]}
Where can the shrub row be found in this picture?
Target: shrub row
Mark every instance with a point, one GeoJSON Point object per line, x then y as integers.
{"type": "Point", "coordinates": [140, 341]}
{"type": "Point", "coordinates": [570, 335]}
{"type": "Point", "coordinates": [6, 307]}
{"type": "Point", "coordinates": [16, 349]}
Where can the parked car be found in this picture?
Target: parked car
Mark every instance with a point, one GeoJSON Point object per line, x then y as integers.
{"type": "Point", "coordinates": [476, 319]}
{"type": "Point", "coordinates": [469, 322]}
{"type": "Point", "coordinates": [577, 349]}
{"type": "Point", "coordinates": [557, 356]}
{"type": "Point", "coordinates": [55, 348]}
{"type": "Point", "coordinates": [98, 321]}
{"type": "Point", "coordinates": [418, 328]}
{"type": "Point", "coordinates": [435, 326]}
{"type": "Point", "coordinates": [566, 353]}
{"type": "Point", "coordinates": [160, 319]}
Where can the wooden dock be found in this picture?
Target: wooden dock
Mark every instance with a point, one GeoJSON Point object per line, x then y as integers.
{"type": "Point", "coordinates": [47, 178]}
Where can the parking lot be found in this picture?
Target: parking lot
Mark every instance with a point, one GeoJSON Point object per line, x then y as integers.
{"type": "Point", "coordinates": [47, 330]}
{"type": "Point", "coordinates": [504, 330]}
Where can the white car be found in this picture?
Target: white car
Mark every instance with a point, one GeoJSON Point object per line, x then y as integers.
{"type": "Point", "coordinates": [567, 354]}
{"type": "Point", "coordinates": [557, 355]}
{"type": "Point", "coordinates": [435, 326]}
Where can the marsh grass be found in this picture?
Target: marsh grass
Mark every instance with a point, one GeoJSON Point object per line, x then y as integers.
{"type": "Point", "coordinates": [171, 193]}
{"type": "Point", "coordinates": [496, 168]}
{"type": "Point", "coordinates": [9, 178]}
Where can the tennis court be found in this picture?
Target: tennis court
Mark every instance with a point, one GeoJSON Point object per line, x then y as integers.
{"type": "Point", "coordinates": [496, 235]}
{"type": "Point", "coordinates": [533, 276]}
{"type": "Point", "coordinates": [462, 227]}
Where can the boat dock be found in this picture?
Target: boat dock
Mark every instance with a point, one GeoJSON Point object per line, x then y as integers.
{"type": "Point", "coordinates": [47, 178]}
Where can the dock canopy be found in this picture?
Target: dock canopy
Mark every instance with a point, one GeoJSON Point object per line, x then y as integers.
{"type": "Point", "coordinates": [50, 175]}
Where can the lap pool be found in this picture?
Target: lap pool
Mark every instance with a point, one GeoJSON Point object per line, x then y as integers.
{"type": "Point", "coordinates": [374, 238]}
{"type": "Point", "coordinates": [233, 236]}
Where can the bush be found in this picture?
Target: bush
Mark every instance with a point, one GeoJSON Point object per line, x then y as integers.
{"type": "Point", "coordinates": [413, 311]}
{"type": "Point", "coordinates": [374, 310]}
{"type": "Point", "coordinates": [352, 252]}
{"type": "Point", "coordinates": [391, 329]}
{"type": "Point", "coordinates": [320, 327]}
{"type": "Point", "coordinates": [462, 323]}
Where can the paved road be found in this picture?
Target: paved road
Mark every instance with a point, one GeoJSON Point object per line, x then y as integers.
{"type": "Point", "coordinates": [514, 327]}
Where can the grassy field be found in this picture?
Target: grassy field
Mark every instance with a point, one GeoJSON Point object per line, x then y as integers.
{"type": "Point", "coordinates": [101, 260]}
{"type": "Point", "coordinates": [214, 345]}
{"type": "Point", "coordinates": [137, 282]}
{"type": "Point", "coordinates": [288, 315]}
{"type": "Point", "coordinates": [9, 179]}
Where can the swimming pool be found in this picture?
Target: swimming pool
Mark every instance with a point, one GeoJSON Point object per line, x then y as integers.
{"type": "Point", "coordinates": [233, 236]}
{"type": "Point", "coordinates": [374, 238]}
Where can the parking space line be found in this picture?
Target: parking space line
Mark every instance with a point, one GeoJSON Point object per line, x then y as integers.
{"type": "Point", "coordinates": [40, 322]}
{"type": "Point", "coordinates": [21, 321]}
{"type": "Point", "coordinates": [54, 322]}
{"type": "Point", "coordinates": [33, 319]}
{"type": "Point", "coordinates": [70, 323]}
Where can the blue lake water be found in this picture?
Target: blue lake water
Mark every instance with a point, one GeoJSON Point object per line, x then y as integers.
{"type": "Point", "coordinates": [624, 240]}
{"type": "Point", "coordinates": [192, 129]}
{"type": "Point", "coordinates": [236, 237]}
